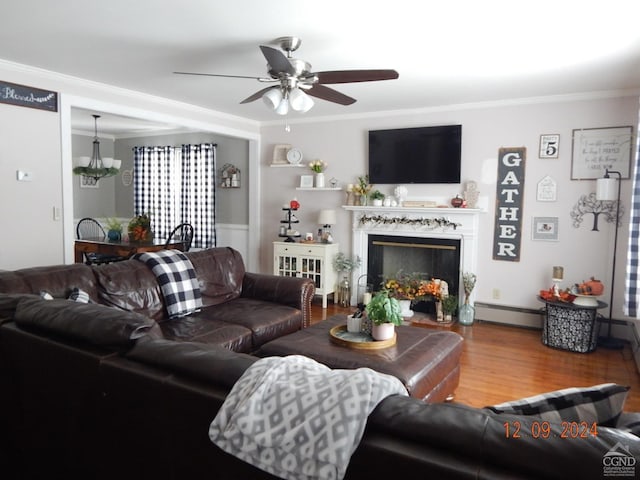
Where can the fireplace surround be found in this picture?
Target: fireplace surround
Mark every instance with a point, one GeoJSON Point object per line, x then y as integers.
{"type": "Point", "coordinates": [445, 225]}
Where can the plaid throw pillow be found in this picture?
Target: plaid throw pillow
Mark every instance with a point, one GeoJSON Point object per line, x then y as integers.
{"type": "Point", "coordinates": [601, 404]}
{"type": "Point", "coordinates": [177, 279]}
{"type": "Point", "coordinates": [79, 295]}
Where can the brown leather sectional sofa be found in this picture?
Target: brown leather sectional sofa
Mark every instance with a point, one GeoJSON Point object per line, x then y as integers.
{"type": "Point", "coordinates": [89, 393]}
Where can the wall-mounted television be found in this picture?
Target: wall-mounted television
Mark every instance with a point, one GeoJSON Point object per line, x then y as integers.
{"type": "Point", "coordinates": [415, 155]}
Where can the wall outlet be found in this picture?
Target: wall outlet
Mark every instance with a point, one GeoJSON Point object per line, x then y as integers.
{"type": "Point", "coordinates": [496, 294]}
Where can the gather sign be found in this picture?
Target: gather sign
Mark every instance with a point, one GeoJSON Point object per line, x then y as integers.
{"type": "Point", "coordinates": [509, 195]}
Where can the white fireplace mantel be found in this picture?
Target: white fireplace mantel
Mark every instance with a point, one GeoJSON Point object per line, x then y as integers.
{"type": "Point", "coordinates": [467, 221]}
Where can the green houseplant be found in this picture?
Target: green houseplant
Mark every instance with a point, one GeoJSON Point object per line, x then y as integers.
{"type": "Point", "coordinates": [384, 313]}
{"type": "Point", "coordinates": [449, 306]}
{"type": "Point", "coordinates": [377, 197]}
{"type": "Point", "coordinates": [114, 229]}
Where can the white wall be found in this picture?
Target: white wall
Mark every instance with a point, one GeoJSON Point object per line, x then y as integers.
{"type": "Point", "coordinates": [40, 142]}
{"type": "Point", "coordinates": [583, 253]}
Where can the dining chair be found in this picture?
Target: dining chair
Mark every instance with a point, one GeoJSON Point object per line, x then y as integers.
{"type": "Point", "coordinates": [90, 228]}
{"type": "Point", "coordinates": [183, 232]}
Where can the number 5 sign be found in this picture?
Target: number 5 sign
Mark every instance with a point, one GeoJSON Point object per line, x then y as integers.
{"type": "Point", "coordinates": [549, 146]}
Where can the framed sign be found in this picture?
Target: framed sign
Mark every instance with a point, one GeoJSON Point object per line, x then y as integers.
{"type": "Point", "coordinates": [547, 188]}
{"type": "Point", "coordinates": [306, 181]}
{"type": "Point", "coordinates": [88, 182]}
{"type": "Point", "coordinates": [24, 96]}
{"type": "Point", "coordinates": [545, 228]}
{"type": "Point", "coordinates": [549, 146]}
{"type": "Point", "coordinates": [595, 150]}
{"type": "Point", "coordinates": [509, 194]}
{"type": "Point", "coordinates": [280, 154]}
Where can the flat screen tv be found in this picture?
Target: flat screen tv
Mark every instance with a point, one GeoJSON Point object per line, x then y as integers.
{"type": "Point", "coordinates": [415, 155]}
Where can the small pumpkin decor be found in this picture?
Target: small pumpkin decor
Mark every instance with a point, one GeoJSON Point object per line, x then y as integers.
{"type": "Point", "coordinates": [384, 313]}
{"type": "Point", "coordinates": [591, 287]}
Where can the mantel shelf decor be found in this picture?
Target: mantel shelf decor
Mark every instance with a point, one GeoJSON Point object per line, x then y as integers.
{"type": "Point", "coordinates": [422, 222]}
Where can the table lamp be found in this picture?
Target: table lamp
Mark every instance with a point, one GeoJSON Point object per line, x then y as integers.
{"type": "Point", "coordinates": [326, 218]}
{"type": "Point", "coordinates": [556, 278]}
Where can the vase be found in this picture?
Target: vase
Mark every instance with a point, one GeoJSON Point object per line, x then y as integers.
{"type": "Point", "coordinates": [405, 308]}
{"type": "Point", "coordinates": [439, 312]}
{"type": "Point", "coordinates": [114, 235]}
{"type": "Point", "coordinates": [466, 314]}
{"type": "Point", "coordinates": [376, 202]}
{"type": "Point", "coordinates": [319, 180]}
{"type": "Point", "coordinates": [363, 200]}
{"type": "Point", "coordinates": [344, 292]}
{"type": "Point", "coordinates": [384, 331]}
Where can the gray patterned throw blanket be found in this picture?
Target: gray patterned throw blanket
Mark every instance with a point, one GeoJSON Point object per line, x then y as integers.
{"type": "Point", "coordinates": [298, 419]}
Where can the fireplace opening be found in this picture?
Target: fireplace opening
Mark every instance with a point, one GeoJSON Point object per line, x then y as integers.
{"type": "Point", "coordinates": [430, 257]}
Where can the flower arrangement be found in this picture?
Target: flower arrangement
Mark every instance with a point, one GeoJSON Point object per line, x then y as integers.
{"type": "Point", "coordinates": [413, 287]}
{"type": "Point", "coordinates": [318, 166]}
{"type": "Point", "coordinates": [113, 224]}
{"type": "Point", "coordinates": [468, 283]}
{"type": "Point", "coordinates": [342, 263]}
{"type": "Point", "coordinates": [363, 187]}
{"type": "Point", "coordinates": [140, 228]}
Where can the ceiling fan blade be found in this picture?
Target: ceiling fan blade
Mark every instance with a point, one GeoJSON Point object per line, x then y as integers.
{"type": "Point", "coordinates": [257, 95]}
{"type": "Point", "coordinates": [350, 76]}
{"type": "Point", "coordinates": [329, 94]}
{"type": "Point", "coordinates": [278, 62]}
{"type": "Point", "coordinates": [261, 79]}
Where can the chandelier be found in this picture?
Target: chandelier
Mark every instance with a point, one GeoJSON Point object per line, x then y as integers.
{"type": "Point", "coordinates": [96, 167]}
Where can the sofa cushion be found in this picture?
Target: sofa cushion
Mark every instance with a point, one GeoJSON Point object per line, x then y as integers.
{"type": "Point", "coordinates": [207, 330]}
{"type": "Point", "coordinates": [130, 285]}
{"type": "Point", "coordinates": [220, 272]}
{"type": "Point", "coordinates": [211, 363]}
{"type": "Point", "coordinates": [266, 320]}
{"type": "Point", "coordinates": [601, 404]}
{"type": "Point", "coordinates": [96, 324]}
{"type": "Point", "coordinates": [58, 280]}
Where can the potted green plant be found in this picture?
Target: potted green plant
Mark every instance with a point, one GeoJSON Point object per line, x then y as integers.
{"type": "Point", "coordinates": [376, 198]}
{"type": "Point", "coordinates": [384, 313]}
{"type": "Point", "coordinates": [114, 229]}
{"type": "Point", "coordinates": [449, 306]}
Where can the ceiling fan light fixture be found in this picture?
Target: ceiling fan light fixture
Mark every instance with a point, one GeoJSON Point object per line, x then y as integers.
{"type": "Point", "coordinates": [272, 98]}
{"type": "Point", "coordinates": [300, 101]}
{"type": "Point", "coordinates": [283, 108]}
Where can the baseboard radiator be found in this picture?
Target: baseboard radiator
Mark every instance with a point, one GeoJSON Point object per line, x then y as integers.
{"type": "Point", "coordinates": [516, 316]}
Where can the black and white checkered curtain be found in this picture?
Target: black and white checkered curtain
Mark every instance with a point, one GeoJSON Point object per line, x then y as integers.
{"type": "Point", "coordinates": [632, 290]}
{"type": "Point", "coordinates": [155, 170]}
{"type": "Point", "coordinates": [198, 192]}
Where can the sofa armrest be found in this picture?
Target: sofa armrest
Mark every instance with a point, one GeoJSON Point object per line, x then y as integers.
{"type": "Point", "coordinates": [292, 291]}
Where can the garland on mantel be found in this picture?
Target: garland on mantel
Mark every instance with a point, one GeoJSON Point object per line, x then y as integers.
{"type": "Point", "coordinates": [422, 222]}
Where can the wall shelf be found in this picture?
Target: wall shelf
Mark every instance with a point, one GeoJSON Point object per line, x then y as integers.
{"type": "Point", "coordinates": [288, 165]}
{"type": "Point", "coordinates": [333, 189]}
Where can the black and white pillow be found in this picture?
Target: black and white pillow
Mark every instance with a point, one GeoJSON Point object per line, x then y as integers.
{"type": "Point", "coordinates": [601, 404]}
{"type": "Point", "coordinates": [79, 295]}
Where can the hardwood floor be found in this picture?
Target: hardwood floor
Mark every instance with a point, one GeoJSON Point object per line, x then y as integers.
{"type": "Point", "coordinates": [501, 363]}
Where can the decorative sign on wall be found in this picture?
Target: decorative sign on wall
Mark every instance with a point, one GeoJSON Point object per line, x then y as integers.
{"type": "Point", "coordinates": [547, 189]}
{"type": "Point", "coordinates": [598, 149]}
{"type": "Point", "coordinates": [549, 146]}
{"type": "Point", "coordinates": [509, 199]}
{"type": "Point", "coordinates": [24, 96]}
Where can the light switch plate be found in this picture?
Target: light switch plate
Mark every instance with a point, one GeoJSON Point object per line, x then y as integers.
{"type": "Point", "coordinates": [24, 176]}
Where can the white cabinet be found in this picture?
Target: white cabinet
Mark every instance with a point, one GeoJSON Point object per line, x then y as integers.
{"type": "Point", "coordinates": [307, 260]}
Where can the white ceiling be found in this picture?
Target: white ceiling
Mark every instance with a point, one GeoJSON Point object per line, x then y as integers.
{"type": "Point", "coordinates": [446, 52]}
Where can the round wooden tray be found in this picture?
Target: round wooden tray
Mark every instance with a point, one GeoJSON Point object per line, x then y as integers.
{"type": "Point", "coordinates": [363, 341]}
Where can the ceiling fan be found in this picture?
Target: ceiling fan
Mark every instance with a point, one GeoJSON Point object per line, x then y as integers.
{"type": "Point", "coordinates": [295, 81]}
